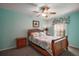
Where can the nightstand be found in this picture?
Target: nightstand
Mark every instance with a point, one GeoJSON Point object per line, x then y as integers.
{"type": "Point", "coordinates": [21, 42]}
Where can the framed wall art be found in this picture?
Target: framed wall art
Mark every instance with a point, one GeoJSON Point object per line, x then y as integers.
{"type": "Point", "coordinates": [35, 23]}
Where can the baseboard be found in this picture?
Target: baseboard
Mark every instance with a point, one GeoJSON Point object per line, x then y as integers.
{"type": "Point", "coordinates": [7, 48]}
{"type": "Point", "coordinates": [71, 45]}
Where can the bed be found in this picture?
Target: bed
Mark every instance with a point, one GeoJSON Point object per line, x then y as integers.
{"type": "Point", "coordinates": [45, 44]}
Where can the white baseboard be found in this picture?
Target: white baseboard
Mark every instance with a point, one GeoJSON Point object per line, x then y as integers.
{"type": "Point", "coordinates": [7, 48]}
{"type": "Point", "coordinates": [73, 46]}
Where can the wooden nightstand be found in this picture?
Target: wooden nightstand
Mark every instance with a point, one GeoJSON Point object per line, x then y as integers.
{"type": "Point", "coordinates": [21, 42]}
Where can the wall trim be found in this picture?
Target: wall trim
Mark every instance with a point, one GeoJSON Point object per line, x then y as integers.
{"type": "Point", "coordinates": [7, 48]}
{"type": "Point", "coordinates": [73, 46]}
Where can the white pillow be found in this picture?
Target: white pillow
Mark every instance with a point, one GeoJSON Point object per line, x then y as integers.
{"type": "Point", "coordinates": [35, 34]}
{"type": "Point", "coordinates": [42, 34]}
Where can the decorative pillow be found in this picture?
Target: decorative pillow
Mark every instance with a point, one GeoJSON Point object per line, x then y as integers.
{"type": "Point", "coordinates": [42, 34]}
{"type": "Point", "coordinates": [35, 34]}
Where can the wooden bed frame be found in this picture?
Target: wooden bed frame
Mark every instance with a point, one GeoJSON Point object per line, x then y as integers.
{"type": "Point", "coordinates": [57, 48]}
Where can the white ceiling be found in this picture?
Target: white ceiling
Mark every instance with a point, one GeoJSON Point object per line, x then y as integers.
{"type": "Point", "coordinates": [27, 8]}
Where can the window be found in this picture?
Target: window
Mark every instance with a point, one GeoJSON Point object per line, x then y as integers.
{"type": "Point", "coordinates": [59, 29]}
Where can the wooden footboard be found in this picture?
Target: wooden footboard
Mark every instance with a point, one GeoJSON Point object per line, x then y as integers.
{"type": "Point", "coordinates": [59, 47]}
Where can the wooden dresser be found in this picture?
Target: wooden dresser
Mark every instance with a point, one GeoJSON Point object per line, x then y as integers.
{"type": "Point", "coordinates": [21, 42]}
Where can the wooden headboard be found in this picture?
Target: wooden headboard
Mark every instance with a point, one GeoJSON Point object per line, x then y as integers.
{"type": "Point", "coordinates": [33, 30]}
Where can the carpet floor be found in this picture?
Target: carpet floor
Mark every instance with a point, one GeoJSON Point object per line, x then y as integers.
{"type": "Point", "coordinates": [28, 51]}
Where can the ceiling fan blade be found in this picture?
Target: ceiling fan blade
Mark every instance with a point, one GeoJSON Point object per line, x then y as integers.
{"type": "Point", "coordinates": [36, 11]}
{"type": "Point", "coordinates": [38, 14]}
{"type": "Point", "coordinates": [52, 12]}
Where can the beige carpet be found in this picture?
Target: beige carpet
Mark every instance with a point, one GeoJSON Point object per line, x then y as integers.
{"type": "Point", "coordinates": [27, 51]}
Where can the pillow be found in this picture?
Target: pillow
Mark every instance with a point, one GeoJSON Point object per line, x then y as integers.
{"type": "Point", "coordinates": [42, 34]}
{"type": "Point", "coordinates": [35, 34]}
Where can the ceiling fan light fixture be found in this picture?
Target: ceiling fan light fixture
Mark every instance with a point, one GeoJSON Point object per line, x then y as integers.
{"type": "Point", "coordinates": [43, 14]}
{"type": "Point", "coordinates": [44, 8]}
{"type": "Point", "coordinates": [45, 11]}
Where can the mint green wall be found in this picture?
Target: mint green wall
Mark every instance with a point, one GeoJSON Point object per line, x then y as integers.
{"type": "Point", "coordinates": [73, 29]}
{"type": "Point", "coordinates": [0, 32]}
{"type": "Point", "coordinates": [51, 30]}
{"type": "Point", "coordinates": [14, 24]}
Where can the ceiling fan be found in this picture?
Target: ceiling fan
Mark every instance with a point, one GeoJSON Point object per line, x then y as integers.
{"type": "Point", "coordinates": [44, 11]}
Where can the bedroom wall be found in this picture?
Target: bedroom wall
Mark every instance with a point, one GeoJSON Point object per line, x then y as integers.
{"type": "Point", "coordinates": [73, 29]}
{"type": "Point", "coordinates": [13, 24]}
{"type": "Point", "coordinates": [12, 27]}
{"type": "Point", "coordinates": [0, 32]}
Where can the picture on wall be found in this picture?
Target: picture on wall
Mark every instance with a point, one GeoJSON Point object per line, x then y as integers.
{"type": "Point", "coordinates": [35, 23]}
